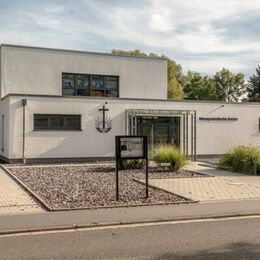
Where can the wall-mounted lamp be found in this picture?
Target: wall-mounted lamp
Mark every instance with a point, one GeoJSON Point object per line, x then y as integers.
{"type": "Point", "coordinates": [24, 102]}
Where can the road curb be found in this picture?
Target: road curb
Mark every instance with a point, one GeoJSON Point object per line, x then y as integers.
{"type": "Point", "coordinates": [121, 223]}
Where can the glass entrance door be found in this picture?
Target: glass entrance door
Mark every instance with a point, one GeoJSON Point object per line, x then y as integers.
{"type": "Point", "coordinates": [161, 134]}
{"type": "Point", "coordinates": [160, 130]}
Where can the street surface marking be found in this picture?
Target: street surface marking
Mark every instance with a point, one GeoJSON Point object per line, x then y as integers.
{"type": "Point", "coordinates": [120, 226]}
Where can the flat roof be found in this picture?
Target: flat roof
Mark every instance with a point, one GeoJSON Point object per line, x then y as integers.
{"type": "Point", "coordinates": [81, 51]}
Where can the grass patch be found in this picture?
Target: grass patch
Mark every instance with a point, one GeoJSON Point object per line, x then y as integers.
{"type": "Point", "coordinates": [131, 164]}
{"type": "Point", "coordinates": [244, 159]}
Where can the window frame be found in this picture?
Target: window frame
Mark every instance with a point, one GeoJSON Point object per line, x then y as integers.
{"type": "Point", "coordinates": [74, 82]}
{"type": "Point", "coordinates": [91, 90]}
{"type": "Point", "coordinates": [64, 122]}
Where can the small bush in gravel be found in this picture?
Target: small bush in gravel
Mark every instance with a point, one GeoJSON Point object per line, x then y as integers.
{"type": "Point", "coordinates": [244, 159]}
{"type": "Point", "coordinates": [131, 164]}
{"type": "Point", "coordinates": [169, 154]}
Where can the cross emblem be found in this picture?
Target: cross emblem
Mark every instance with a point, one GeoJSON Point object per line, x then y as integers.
{"type": "Point", "coordinates": [104, 109]}
{"type": "Point", "coordinates": [103, 123]}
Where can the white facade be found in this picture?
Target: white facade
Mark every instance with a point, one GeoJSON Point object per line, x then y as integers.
{"type": "Point", "coordinates": [38, 71]}
{"type": "Point", "coordinates": [34, 74]}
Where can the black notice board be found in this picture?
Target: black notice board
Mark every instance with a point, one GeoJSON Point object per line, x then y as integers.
{"type": "Point", "coordinates": [131, 147]}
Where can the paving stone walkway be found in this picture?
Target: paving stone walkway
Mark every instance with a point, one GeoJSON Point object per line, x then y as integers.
{"type": "Point", "coordinates": [13, 199]}
{"type": "Point", "coordinates": [221, 186]}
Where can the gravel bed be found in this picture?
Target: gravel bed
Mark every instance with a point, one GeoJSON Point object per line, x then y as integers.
{"type": "Point", "coordinates": [93, 186]}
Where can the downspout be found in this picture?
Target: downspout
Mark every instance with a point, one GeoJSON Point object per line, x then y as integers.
{"type": "Point", "coordinates": [24, 103]}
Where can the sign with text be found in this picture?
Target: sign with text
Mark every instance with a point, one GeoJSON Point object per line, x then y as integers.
{"type": "Point", "coordinates": [218, 118]}
{"type": "Point", "coordinates": [131, 147]}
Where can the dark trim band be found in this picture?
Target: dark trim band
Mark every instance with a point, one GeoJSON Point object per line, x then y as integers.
{"type": "Point", "coordinates": [131, 99]}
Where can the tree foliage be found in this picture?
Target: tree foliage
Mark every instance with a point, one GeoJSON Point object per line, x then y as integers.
{"type": "Point", "coordinates": [223, 86]}
{"type": "Point", "coordinates": [174, 72]}
{"type": "Point", "coordinates": [197, 87]}
{"type": "Point", "coordinates": [229, 86]}
{"type": "Point", "coordinates": [253, 86]}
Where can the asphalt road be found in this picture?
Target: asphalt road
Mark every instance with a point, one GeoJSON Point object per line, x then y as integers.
{"type": "Point", "coordinates": [221, 239]}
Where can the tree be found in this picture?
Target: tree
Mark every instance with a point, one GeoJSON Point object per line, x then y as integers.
{"type": "Point", "coordinates": [229, 86]}
{"type": "Point", "coordinates": [135, 52]}
{"type": "Point", "coordinates": [175, 90]}
{"type": "Point", "coordinates": [197, 87]}
{"type": "Point", "coordinates": [174, 72]}
{"type": "Point", "coordinates": [253, 86]}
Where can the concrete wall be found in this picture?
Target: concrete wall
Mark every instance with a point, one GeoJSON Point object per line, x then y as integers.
{"type": "Point", "coordinates": [212, 137]}
{"type": "Point", "coordinates": [1, 71]}
{"type": "Point", "coordinates": [39, 71]}
{"type": "Point", "coordinates": [4, 129]}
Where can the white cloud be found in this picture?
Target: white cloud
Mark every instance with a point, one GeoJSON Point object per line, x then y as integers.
{"type": "Point", "coordinates": [202, 35]}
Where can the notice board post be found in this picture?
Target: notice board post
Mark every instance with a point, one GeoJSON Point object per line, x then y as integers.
{"type": "Point", "coordinates": [131, 147]}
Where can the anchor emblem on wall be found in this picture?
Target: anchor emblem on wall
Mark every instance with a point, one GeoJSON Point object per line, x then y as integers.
{"type": "Point", "coordinates": [103, 122]}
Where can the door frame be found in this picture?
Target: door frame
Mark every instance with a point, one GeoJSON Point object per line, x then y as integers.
{"type": "Point", "coordinates": [188, 126]}
{"type": "Point", "coordinates": [154, 125]}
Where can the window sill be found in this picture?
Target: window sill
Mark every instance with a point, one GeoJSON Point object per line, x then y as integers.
{"type": "Point", "coordinates": [98, 97]}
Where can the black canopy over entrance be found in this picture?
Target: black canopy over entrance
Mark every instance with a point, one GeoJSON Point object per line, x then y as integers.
{"type": "Point", "coordinates": [175, 127]}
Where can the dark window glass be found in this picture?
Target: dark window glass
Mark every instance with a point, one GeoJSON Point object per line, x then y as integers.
{"type": "Point", "coordinates": [68, 84]}
{"type": "Point", "coordinates": [83, 85]}
{"type": "Point", "coordinates": [40, 121]}
{"type": "Point", "coordinates": [57, 122]}
{"type": "Point", "coordinates": [72, 122]}
{"type": "Point", "coordinates": [111, 85]}
{"type": "Point", "coordinates": [97, 86]}
{"type": "Point", "coordinates": [97, 82]}
{"type": "Point", "coordinates": [90, 85]}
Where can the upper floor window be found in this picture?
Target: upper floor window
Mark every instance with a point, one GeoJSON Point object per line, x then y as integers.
{"type": "Point", "coordinates": [90, 85]}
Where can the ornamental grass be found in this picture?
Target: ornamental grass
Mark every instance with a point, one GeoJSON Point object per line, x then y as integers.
{"type": "Point", "coordinates": [168, 154]}
{"type": "Point", "coordinates": [244, 159]}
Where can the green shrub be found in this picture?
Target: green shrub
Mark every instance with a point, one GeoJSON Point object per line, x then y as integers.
{"type": "Point", "coordinates": [169, 154]}
{"type": "Point", "coordinates": [244, 159]}
{"type": "Point", "coordinates": [131, 164]}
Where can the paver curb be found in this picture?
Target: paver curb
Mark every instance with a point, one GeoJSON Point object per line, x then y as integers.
{"type": "Point", "coordinates": [188, 200]}
{"type": "Point", "coordinates": [121, 223]}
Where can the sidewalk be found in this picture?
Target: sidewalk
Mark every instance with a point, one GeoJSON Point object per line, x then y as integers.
{"type": "Point", "coordinates": [219, 185]}
{"type": "Point", "coordinates": [116, 216]}
{"type": "Point", "coordinates": [44, 221]}
{"type": "Point", "coordinates": [13, 199]}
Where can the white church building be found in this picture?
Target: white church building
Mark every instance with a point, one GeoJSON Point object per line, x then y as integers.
{"type": "Point", "coordinates": [59, 105]}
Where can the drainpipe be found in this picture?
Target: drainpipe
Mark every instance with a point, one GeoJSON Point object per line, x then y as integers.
{"type": "Point", "coordinates": [24, 103]}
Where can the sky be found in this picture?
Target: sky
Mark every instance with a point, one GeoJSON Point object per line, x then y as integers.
{"type": "Point", "coordinates": [201, 35]}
